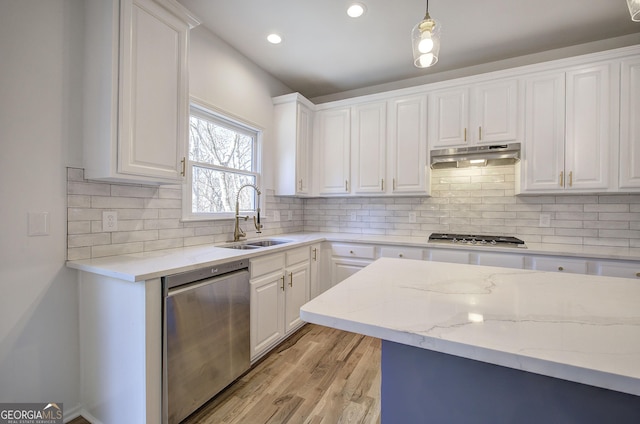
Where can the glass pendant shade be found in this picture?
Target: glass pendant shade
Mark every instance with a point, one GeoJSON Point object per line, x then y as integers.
{"type": "Point", "coordinates": [425, 39]}
{"type": "Point", "coordinates": [634, 9]}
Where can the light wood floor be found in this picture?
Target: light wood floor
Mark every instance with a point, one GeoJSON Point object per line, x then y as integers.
{"type": "Point", "coordinates": [317, 376]}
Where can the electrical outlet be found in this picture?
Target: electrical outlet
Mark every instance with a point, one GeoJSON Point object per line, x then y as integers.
{"type": "Point", "coordinates": [290, 216]}
{"type": "Point", "coordinates": [353, 216]}
{"type": "Point", "coordinates": [109, 221]}
{"type": "Point", "coordinates": [276, 216]}
{"type": "Point", "coordinates": [545, 220]}
{"type": "Point", "coordinates": [412, 217]}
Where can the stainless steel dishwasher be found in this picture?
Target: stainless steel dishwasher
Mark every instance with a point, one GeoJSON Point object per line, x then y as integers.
{"type": "Point", "coordinates": [205, 335]}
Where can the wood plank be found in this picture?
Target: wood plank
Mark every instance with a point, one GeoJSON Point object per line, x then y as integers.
{"type": "Point", "coordinates": [318, 376]}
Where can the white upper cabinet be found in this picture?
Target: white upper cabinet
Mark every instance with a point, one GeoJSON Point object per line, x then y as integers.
{"type": "Point", "coordinates": [591, 128]}
{"type": "Point", "coordinates": [407, 145]}
{"type": "Point", "coordinates": [136, 88]}
{"type": "Point", "coordinates": [293, 137]}
{"type": "Point", "coordinates": [543, 150]}
{"type": "Point", "coordinates": [333, 144]}
{"type": "Point", "coordinates": [369, 147]}
{"type": "Point", "coordinates": [374, 148]}
{"type": "Point", "coordinates": [630, 125]}
{"type": "Point", "coordinates": [448, 117]}
{"type": "Point", "coordinates": [571, 135]}
{"type": "Point", "coordinates": [485, 113]}
{"type": "Point", "coordinates": [495, 117]}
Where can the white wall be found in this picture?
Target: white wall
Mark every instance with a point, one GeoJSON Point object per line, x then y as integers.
{"type": "Point", "coordinates": [225, 79]}
{"type": "Point", "coordinates": [40, 43]}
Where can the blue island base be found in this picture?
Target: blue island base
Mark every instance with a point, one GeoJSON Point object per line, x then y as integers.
{"type": "Point", "coordinates": [422, 386]}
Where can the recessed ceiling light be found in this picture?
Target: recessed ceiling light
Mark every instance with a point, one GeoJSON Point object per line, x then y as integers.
{"type": "Point", "coordinates": [356, 10]}
{"type": "Point", "coordinates": [274, 39]}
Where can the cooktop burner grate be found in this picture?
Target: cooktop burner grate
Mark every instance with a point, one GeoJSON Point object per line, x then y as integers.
{"type": "Point", "coordinates": [476, 239]}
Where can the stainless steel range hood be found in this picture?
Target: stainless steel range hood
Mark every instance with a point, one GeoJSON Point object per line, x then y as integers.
{"type": "Point", "coordinates": [463, 157]}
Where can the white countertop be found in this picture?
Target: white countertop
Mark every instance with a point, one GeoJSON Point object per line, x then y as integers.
{"type": "Point", "coordinates": [580, 328]}
{"type": "Point", "coordinates": [148, 265]}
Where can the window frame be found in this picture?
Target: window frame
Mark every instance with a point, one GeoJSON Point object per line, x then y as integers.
{"type": "Point", "coordinates": [209, 112]}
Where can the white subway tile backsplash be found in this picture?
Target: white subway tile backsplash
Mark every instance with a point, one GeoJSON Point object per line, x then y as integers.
{"type": "Point", "coordinates": [116, 249]}
{"type": "Point", "coordinates": [149, 218]}
{"type": "Point", "coordinates": [464, 200]}
{"type": "Point", "coordinates": [133, 191]}
{"type": "Point", "coordinates": [483, 200]}
{"type": "Point", "coordinates": [84, 240]}
{"type": "Point", "coordinates": [87, 188]}
{"type": "Point", "coordinates": [103, 202]}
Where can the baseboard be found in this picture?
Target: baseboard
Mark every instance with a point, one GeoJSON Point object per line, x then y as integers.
{"type": "Point", "coordinates": [77, 412]}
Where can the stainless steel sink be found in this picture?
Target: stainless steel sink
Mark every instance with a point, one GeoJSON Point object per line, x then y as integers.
{"type": "Point", "coordinates": [266, 243]}
{"type": "Point", "coordinates": [248, 245]}
{"type": "Point", "coordinates": [241, 246]}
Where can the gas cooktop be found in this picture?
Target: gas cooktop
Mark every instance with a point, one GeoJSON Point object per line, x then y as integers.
{"type": "Point", "coordinates": [475, 239]}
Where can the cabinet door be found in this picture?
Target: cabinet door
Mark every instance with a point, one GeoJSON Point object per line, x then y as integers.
{"type": "Point", "coordinates": [588, 133]}
{"type": "Point", "coordinates": [448, 117]}
{"type": "Point", "coordinates": [407, 142]}
{"type": "Point", "coordinates": [369, 143]}
{"type": "Point", "coordinates": [402, 252]}
{"type": "Point", "coordinates": [304, 133]}
{"type": "Point", "coordinates": [630, 125]}
{"type": "Point", "coordinates": [315, 270]}
{"type": "Point", "coordinates": [543, 153]}
{"type": "Point", "coordinates": [449, 255]}
{"type": "Point", "coordinates": [558, 264]}
{"type": "Point", "coordinates": [333, 148]}
{"type": "Point", "coordinates": [297, 294]}
{"type": "Point", "coordinates": [153, 110]}
{"type": "Point", "coordinates": [343, 268]}
{"type": "Point", "coordinates": [495, 115]}
{"type": "Point", "coordinates": [504, 260]}
{"type": "Point", "coordinates": [267, 309]}
{"type": "Point", "coordinates": [617, 269]}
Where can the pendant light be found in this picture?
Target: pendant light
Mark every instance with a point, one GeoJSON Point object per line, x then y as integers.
{"type": "Point", "coordinates": [634, 9]}
{"type": "Point", "coordinates": [425, 39]}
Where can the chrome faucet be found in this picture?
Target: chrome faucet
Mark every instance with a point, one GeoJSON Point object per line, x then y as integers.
{"type": "Point", "coordinates": [237, 232]}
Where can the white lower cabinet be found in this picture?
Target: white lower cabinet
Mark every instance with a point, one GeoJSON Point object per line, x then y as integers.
{"type": "Point", "coordinates": [557, 264]}
{"type": "Point", "coordinates": [615, 269]}
{"type": "Point", "coordinates": [343, 268]}
{"type": "Point", "coordinates": [449, 255]}
{"type": "Point", "coordinates": [316, 274]}
{"type": "Point", "coordinates": [504, 260]}
{"type": "Point", "coordinates": [279, 287]}
{"type": "Point", "coordinates": [402, 252]}
{"type": "Point", "coordinates": [347, 259]}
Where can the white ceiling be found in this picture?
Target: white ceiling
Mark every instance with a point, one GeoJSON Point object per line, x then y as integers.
{"type": "Point", "coordinates": [324, 51]}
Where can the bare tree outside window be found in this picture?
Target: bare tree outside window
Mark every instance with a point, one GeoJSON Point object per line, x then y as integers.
{"type": "Point", "coordinates": [222, 159]}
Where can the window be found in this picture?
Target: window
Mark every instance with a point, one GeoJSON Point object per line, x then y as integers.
{"type": "Point", "coordinates": [222, 158]}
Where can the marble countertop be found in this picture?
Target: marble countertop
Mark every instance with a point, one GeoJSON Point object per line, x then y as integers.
{"type": "Point", "coordinates": [148, 265]}
{"type": "Point", "coordinates": [579, 328]}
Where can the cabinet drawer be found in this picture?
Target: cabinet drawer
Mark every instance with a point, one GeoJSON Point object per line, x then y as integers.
{"type": "Point", "coordinates": [501, 259]}
{"type": "Point", "coordinates": [447, 255]}
{"type": "Point", "coordinates": [266, 265]}
{"type": "Point", "coordinates": [295, 256]}
{"type": "Point", "coordinates": [576, 266]}
{"type": "Point", "coordinates": [401, 252]}
{"type": "Point", "coordinates": [618, 269]}
{"type": "Point", "coordinates": [353, 251]}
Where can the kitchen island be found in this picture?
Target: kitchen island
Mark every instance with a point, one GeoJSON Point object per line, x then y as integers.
{"type": "Point", "coordinates": [467, 343]}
